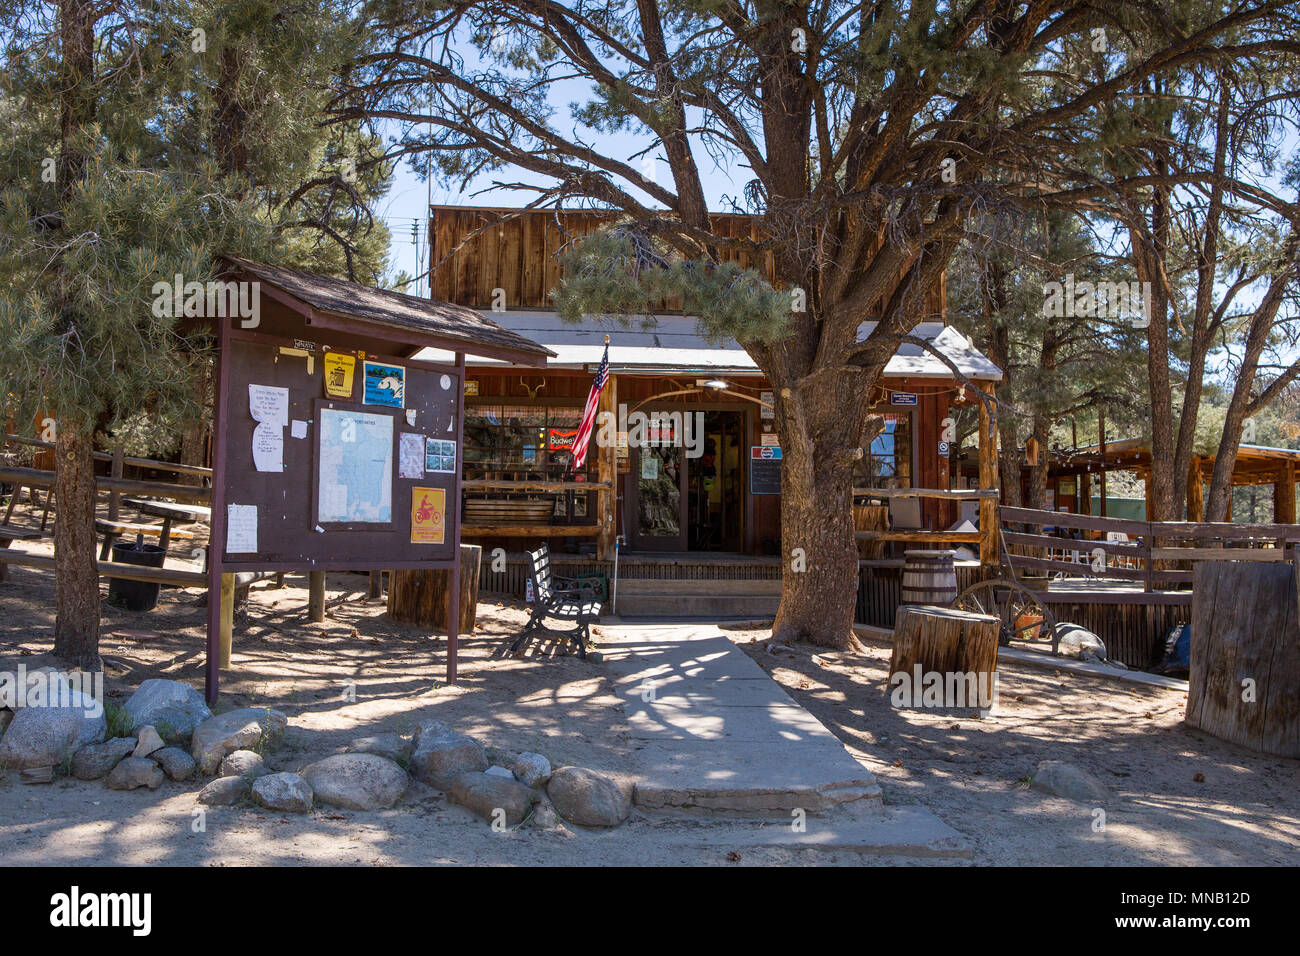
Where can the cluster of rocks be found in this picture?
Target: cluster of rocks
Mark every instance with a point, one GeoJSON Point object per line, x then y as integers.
{"type": "Point", "coordinates": [372, 774]}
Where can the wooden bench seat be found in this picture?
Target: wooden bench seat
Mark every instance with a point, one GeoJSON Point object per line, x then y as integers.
{"type": "Point", "coordinates": [7, 537]}
{"type": "Point", "coordinates": [112, 530]}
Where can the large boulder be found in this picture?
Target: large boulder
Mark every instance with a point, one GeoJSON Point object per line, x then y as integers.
{"type": "Point", "coordinates": [1063, 779]}
{"type": "Point", "coordinates": [44, 736]}
{"type": "Point", "coordinates": [242, 729]}
{"type": "Point", "coordinates": [282, 791]}
{"type": "Point", "coordinates": [588, 798]}
{"type": "Point", "coordinates": [176, 763]}
{"type": "Point", "coordinates": [95, 761]}
{"type": "Point", "coordinates": [225, 791]}
{"type": "Point", "coordinates": [135, 772]}
{"type": "Point", "coordinates": [356, 781]}
{"type": "Point", "coordinates": [441, 755]}
{"type": "Point", "coordinates": [486, 793]}
{"type": "Point", "coordinates": [169, 705]}
{"type": "Point", "coordinates": [243, 763]}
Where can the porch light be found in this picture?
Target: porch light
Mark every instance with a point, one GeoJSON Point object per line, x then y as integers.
{"type": "Point", "coordinates": [716, 383]}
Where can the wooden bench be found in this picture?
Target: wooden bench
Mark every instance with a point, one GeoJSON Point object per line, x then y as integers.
{"type": "Point", "coordinates": [112, 530]}
{"type": "Point", "coordinates": [564, 599]}
{"type": "Point", "coordinates": [7, 537]}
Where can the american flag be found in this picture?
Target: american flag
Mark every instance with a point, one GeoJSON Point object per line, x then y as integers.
{"type": "Point", "coordinates": [583, 438]}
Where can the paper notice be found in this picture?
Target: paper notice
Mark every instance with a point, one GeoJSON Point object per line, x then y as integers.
{"type": "Point", "coordinates": [241, 529]}
{"type": "Point", "coordinates": [410, 459]}
{"type": "Point", "coordinates": [268, 404]}
{"type": "Point", "coordinates": [299, 428]}
{"type": "Point", "coordinates": [268, 447]}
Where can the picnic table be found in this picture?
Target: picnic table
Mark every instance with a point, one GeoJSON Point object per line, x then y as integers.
{"type": "Point", "coordinates": [170, 512]}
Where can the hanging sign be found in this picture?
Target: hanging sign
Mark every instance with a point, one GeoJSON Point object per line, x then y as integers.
{"type": "Point", "coordinates": [902, 398]}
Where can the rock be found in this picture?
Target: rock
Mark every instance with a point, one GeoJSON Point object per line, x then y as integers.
{"type": "Point", "coordinates": [356, 781]}
{"type": "Point", "coordinates": [500, 772]}
{"type": "Point", "coordinates": [1076, 641]}
{"type": "Point", "coordinates": [532, 769]}
{"type": "Point", "coordinates": [147, 741]}
{"type": "Point", "coordinates": [283, 791]}
{"type": "Point", "coordinates": [243, 763]}
{"type": "Point", "coordinates": [47, 736]}
{"type": "Point", "coordinates": [588, 798]}
{"type": "Point", "coordinates": [487, 793]}
{"type": "Point", "coordinates": [176, 707]}
{"type": "Point", "coordinates": [235, 730]}
{"type": "Point", "coordinates": [225, 791]}
{"type": "Point", "coordinates": [393, 746]}
{"type": "Point", "coordinates": [544, 816]}
{"type": "Point", "coordinates": [176, 763]}
{"type": "Point", "coordinates": [135, 772]}
{"type": "Point", "coordinates": [95, 761]}
{"type": "Point", "coordinates": [1063, 779]}
{"type": "Point", "coordinates": [441, 755]}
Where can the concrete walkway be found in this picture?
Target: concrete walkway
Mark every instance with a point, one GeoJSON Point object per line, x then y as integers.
{"type": "Point", "coordinates": [713, 733]}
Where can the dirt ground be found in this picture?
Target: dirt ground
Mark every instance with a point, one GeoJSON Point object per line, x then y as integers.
{"type": "Point", "coordinates": [1180, 797]}
{"type": "Point", "coordinates": [360, 674]}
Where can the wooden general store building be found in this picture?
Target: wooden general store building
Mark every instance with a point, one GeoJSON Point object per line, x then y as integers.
{"type": "Point", "coordinates": [723, 501]}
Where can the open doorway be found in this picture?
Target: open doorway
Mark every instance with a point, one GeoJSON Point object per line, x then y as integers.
{"type": "Point", "coordinates": [715, 491]}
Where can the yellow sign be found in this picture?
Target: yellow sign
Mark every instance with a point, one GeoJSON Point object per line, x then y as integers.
{"type": "Point", "coordinates": [339, 370]}
{"type": "Point", "coordinates": [428, 515]}
{"type": "Point", "coordinates": [471, 386]}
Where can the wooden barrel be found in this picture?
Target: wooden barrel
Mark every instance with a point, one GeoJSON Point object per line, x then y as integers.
{"type": "Point", "coordinates": [929, 578]}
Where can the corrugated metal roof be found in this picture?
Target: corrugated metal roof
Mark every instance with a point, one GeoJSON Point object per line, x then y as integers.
{"type": "Point", "coordinates": [673, 342]}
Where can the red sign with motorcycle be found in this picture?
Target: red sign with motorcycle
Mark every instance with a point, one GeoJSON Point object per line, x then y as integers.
{"type": "Point", "coordinates": [428, 515]}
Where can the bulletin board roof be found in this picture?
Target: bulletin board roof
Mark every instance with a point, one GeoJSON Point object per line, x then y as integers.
{"type": "Point", "coordinates": [456, 327]}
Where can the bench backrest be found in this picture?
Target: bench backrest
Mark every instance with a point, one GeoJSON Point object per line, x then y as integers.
{"type": "Point", "coordinates": [539, 565]}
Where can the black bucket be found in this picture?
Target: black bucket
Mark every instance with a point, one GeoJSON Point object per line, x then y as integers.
{"type": "Point", "coordinates": [135, 595]}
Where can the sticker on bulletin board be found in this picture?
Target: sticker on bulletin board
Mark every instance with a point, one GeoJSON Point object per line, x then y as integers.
{"type": "Point", "coordinates": [428, 515]}
{"type": "Point", "coordinates": [339, 370]}
{"type": "Point", "coordinates": [383, 384]}
{"type": "Point", "coordinates": [440, 456]}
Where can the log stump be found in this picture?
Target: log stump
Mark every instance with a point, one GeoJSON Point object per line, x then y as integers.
{"type": "Point", "coordinates": [947, 642]}
{"type": "Point", "coordinates": [421, 597]}
{"type": "Point", "coordinates": [1244, 680]}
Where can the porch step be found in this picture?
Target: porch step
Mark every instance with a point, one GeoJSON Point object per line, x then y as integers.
{"type": "Point", "coordinates": [668, 603]}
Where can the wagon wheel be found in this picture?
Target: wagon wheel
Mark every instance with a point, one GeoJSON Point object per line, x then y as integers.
{"type": "Point", "coordinates": [1023, 615]}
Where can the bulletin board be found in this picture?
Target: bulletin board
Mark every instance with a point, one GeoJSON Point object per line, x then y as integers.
{"type": "Point", "coordinates": [337, 459]}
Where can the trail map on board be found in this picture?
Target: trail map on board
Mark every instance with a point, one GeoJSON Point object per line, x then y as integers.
{"type": "Point", "coordinates": [356, 467]}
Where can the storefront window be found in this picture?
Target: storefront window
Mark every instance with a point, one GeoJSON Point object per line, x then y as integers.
{"type": "Point", "coordinates": [528, 443]}
{"type": "Point", "coordinates": [887, 461]}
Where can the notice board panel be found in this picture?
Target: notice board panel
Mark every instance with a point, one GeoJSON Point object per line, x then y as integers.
{"type": "Point", "coordinates": [764, 470]}
{"type": "Point", "coordinates": [343, 480]}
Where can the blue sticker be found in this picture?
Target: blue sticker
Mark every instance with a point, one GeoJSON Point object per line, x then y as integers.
{"type": "Point", "coordinates": [384, 384]}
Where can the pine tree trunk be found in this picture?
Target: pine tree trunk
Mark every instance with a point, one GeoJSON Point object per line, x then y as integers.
{"type": "Point", "coordinates": [819, 579]}
{"type": "Point", "coordinates": [76, 625]}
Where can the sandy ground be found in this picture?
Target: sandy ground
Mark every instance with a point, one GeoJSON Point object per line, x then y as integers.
{"type": "Point", "coordinates": [968, 771]}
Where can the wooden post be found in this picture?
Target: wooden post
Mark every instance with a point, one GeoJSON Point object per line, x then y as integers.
{"type": "Point", "coordinates": [114, 497]}
{"type": "Point", "coordinates": [1101, 442]}
{"type": "Point", "coordinates": [376, 584]}
{"type": "Point", "coordinates": [1284, 495]}
{"type": "Point", "coordinates": [316, 597]}
{"type": "Point", "coordinates": [1195, 492]}
{"type": "Point", "coordinates": [988, 460]}
{"type": "Point", "coordinates": [1085, 493]}
{"type": "Point", "coordinates": [227, 628]}
{"type": "Point", "coordinates": [1246, 630]}
{"type": "Point", "coordinates": [607, 473]}
{"type": "Point", "coordinates": [945, 641]}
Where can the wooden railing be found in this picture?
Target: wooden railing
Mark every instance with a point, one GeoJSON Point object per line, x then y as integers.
{"type": "Point", "coordinates": [1154, 552]}
{"type": "Point", "coordinates": [148, 463]}
{"type": "Point", "coordinates": [986, 537]}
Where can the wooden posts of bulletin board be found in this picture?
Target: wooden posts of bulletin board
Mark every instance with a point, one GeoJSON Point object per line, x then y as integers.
{"type": "Point", "coordinates": [1244, 683]}
{"type": "Point", "coordinates": [316, 597]}
{"type": "Point", "coordinates": [423, 597]}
